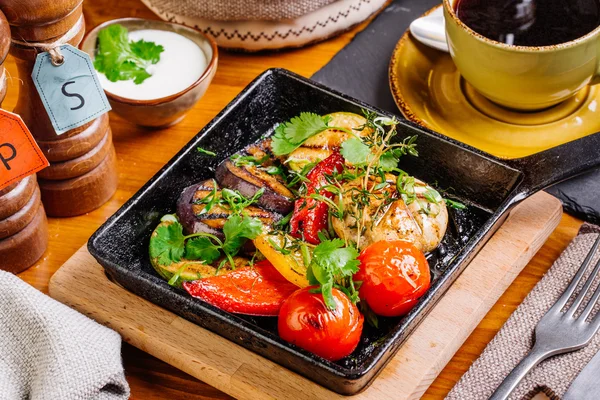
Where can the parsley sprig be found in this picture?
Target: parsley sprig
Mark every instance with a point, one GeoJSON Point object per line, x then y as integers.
{"type": "Point", "coordinates": [209, 248]}
{"type": "Point", "coordinates": [290, 135]}
{"type": "Point", "coordinates": [375, 150]}
{"type": "Point", "coordinates": [170, 245]}
{"type": "Point", "coordinates": [120, 59]}
{"type": "Point", "coordinates": [332, 266]}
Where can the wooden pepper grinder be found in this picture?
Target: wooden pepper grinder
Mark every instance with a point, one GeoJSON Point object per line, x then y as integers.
{"type": "Point", "coordinates": [23, 225]}
{"type": "Point", "coordinates": [82, 173]}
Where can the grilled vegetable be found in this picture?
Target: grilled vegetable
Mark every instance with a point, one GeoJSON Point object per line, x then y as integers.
{"type": "Point", "coordinates": [321, 145]}
{"type": "Point", "coordinates": [386, 214]}
{"type": "Point", "coordinates": [201, 209]}
{"type": "Point", "coordinates": [307, 322]}
{"type": "Point", "coordinates": [186, 270]}
{"type": "Point", "coordinates": [310, 214]}
{"type": "Point", "coordinates": [394, 276]}
{"type": "Point", "coordinates": [250, 177]}
{"type": "Point", "coordinates": [252, 290]}
{"type": "Point", "coordinates": [288, 261]}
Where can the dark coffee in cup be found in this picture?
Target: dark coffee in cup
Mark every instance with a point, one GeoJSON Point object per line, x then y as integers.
{"type": "Point", "coordinates": [530, 22]}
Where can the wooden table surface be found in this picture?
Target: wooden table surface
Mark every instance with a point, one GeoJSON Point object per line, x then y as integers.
{"type": "Point", "coordinates": [140, 155]}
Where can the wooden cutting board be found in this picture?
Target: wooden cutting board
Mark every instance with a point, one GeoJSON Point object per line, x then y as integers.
{"type": "Point", "coordinates": [82, 284]}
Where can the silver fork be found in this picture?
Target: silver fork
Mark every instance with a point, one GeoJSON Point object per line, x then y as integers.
{"type": "Point", "coordinates": [559, 332]}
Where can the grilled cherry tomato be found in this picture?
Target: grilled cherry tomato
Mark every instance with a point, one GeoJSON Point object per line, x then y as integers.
{"type": "Point", "coordinates": [253, 290]}
{"type": "Point", "coordinates": [394, 276]}
{"type": "Point", "coordinates": [310, 215]}
{"type": "Point", "coordinates": [305, 321]}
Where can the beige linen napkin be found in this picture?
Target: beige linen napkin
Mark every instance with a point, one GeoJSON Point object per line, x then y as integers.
{"type": "Point", "coordinates": [514, 340]}
{"type": "Point", "coordinates": [51, 352]}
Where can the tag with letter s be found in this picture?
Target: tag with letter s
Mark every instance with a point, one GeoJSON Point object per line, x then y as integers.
{"type": "Point", "coordinates": [70, 92]}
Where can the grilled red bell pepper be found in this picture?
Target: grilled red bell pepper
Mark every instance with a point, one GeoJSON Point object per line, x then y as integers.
{"type": "Point", "coordinates": [310, 215]}
{"type": "Point", "coordinates": [253, 290]}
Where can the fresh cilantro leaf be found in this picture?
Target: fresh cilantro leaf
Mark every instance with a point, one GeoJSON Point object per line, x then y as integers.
{"type": "Point", "coordinates": [120, 59]}
{"type": "Point", "coordinates": [341, 260]}
{"type": "Point", "coordinates": [147, 50]}
{"type": "Point", "coordinates": [207, 152]}
{"type": "Point", "coordinates": [167, 246]}
{"type": "Point", "coordinates": [280, 145]}
{"type": "Point", "coordinates": [202, 248]}
{"type": "Point", "coordinates": [356, 152]}
{"type": "Point", "coordinates": [290, 135]}
{"type": "Point", "coordinates": [388, 161]}
{"type": "Point", "coordinates": [128, 71]}
{"type": "Point", "coordinates": [304, 126]}
{"type": "Point", "coordinates": [331, 264]}
{"type": "Point", "coordinates": [237, 230]}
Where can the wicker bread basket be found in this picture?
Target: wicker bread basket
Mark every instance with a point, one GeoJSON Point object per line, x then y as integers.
{"type": "Point", "coordinates": [254, 25]}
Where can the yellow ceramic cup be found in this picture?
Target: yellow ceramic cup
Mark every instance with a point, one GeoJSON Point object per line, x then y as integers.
{"type": "Point", "coordinates": [520, 77]}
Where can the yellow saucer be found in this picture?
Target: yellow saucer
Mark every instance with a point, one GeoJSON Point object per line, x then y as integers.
{"type": "Point", "coordinates": [429, 91]}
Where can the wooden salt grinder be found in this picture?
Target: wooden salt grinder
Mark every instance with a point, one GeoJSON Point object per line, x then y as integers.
{"type": "Point", "coordinates": [23, 225]}
{"type": "Point", "coordinates": [82, 173]}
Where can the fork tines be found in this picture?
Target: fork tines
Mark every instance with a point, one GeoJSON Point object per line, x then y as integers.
{"type": "Point", "coordinates": [563, 300]}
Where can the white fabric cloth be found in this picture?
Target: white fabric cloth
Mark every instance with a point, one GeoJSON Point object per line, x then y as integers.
{"type": "Point", "coordinates": [51, 352]}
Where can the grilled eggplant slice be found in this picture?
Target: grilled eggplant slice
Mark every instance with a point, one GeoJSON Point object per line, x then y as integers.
{"type": "Point", "coordinates": [249, 178]}
{"type": "Point", "coordinates": [197, 213]}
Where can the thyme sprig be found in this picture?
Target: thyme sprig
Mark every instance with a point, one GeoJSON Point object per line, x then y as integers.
{"type": "Point", "coordinates": [230, 199]}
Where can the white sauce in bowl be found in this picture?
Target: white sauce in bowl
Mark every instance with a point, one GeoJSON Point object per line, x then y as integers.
{"type": "Point", "coordinates": [181, 64]}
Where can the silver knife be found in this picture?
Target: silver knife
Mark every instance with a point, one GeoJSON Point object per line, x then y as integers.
{"type": "Point", "coordinates": [587, 384]}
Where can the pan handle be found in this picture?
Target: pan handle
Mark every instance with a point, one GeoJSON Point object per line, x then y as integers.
{"type": "Point", "coordinates": [557, 164]}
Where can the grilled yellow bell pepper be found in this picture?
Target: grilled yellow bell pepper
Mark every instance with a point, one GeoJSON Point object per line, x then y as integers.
{"type": "Point", "coordinates": [289, 263]}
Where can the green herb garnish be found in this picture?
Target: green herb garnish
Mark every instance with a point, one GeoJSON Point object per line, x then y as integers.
{"type": "Point", "coordinates": [231, 199]}
{"type": "Point", "coordinates": [455, 204]}
{"type": "Point", "coordinates": [356, 152]}
{"type": "Point", "coordinates": [237, 229]}
{"type": "Point", "coordinates": [120, 59]}
{"type": "Point", "coordinates": [242, 161]}
{"type": "Point", "coordinates": [238, 202]}
{"type": "Point", "coordinates": [207, 152]}
{"type": "Point", "coordinates": [290, 135]}
{"type": "Point", "coordinates": [169, 245]}
{"type": "Point", "coordinates": [333, 265]}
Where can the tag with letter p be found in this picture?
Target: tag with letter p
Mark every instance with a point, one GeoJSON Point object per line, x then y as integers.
{"type": "Point", "coordinates": [20, 155]}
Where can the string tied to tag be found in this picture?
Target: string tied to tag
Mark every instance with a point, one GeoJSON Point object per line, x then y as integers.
{"type": "Point", "coordinates": [3, 80]}
{"type": "Point", "coordinates": [53, 48]}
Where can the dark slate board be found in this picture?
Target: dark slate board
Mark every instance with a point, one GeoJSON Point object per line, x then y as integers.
{"type": "Point", "coordinates": [361, 70]}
